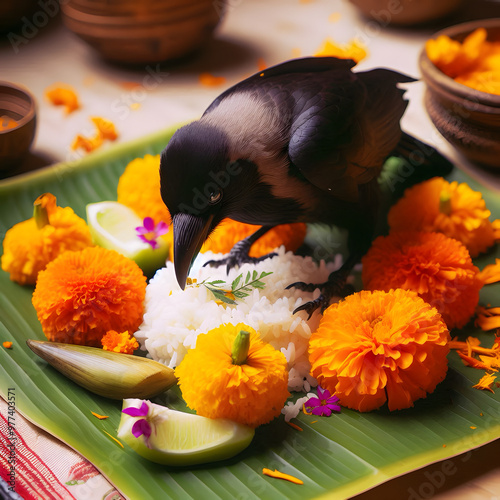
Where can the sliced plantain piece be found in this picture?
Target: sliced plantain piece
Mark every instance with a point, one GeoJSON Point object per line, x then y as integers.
{"type": "Point", "coordinates": [106, 373]}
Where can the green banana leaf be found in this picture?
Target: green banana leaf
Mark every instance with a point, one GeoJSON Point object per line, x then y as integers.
{"type": "Point", "coordinates": [336, 457]}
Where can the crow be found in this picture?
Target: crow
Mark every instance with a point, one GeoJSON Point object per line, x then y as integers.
{"type": "Point", "coordinates": [302, 141]}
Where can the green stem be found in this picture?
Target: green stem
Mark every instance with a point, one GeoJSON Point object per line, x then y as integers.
{"type": "Point", "coordinates": [40, 213]}
{"type": "Point", "coordinates": [241, 345]}
{"type": "Point", "coordinates": [445, 202]}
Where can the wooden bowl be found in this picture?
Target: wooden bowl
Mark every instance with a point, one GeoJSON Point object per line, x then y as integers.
{"type": "Point", "coordinates": [146, 31]}
{"type": "Point", "coordinates": [17, 124]}
{"type": "Point", "coordinates": [13, 14]}
{"type": "Point", "coordinates": [469, 119]}
{"type": "Point", "coordinates": [406, 12]}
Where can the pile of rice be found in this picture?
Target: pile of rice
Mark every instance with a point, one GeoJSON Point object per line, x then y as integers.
{"type": "Point", "coordinates": [173, 318]}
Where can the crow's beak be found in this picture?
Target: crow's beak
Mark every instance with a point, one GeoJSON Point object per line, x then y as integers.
{"type": "Point", "coordinates": [190, 232]}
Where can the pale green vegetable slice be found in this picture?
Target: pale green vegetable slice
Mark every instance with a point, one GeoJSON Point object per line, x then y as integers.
{"type": "Point", "coordinates": [179, 438]}
{"type": "Point", "coordinates": [112, 226]}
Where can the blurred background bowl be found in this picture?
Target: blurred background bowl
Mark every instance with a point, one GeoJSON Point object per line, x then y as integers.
{"type": "Point", "coordinates": [145, 31]}
{"type": "Point", "coordinates": [13, 12]}
{"type": "Point", "coordinates": [469, 119]}
{"type": "Point", "coordinates": [406, 12]}
{"type": "Point", "coordinates": [17, 124]}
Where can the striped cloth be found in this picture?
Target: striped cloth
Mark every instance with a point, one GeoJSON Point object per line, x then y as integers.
{"type": "Point", "coordinates": [36, 466]}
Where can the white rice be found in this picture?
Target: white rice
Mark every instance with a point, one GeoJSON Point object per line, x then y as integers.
{"type": "Point", "coordinates": [173, 318]}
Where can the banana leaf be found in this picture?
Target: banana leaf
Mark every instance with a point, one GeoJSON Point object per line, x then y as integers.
{"type": "Point", "coordinates": [336, 457]}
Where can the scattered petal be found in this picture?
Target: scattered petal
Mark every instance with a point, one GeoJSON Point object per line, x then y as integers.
{"type": "Point", "coordinates": [280, 475]}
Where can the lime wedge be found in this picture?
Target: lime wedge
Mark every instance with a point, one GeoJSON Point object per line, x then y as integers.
{"type": "Point", "coordinates": [112, 226]}
{"type": "Point", "coordinates": [179, 438]}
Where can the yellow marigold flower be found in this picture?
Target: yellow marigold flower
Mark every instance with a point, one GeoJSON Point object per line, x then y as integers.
{"type": "Point", "coordinates": [352, 50]}
{"type": "Point", "coordinates": [450, 208]}
{"type": "Point", "coordinates": [229, 232]}
{"type": "Point", "coordinates": [438, 268]}
{"type": "Point", "coordinates": [63, 95]}
{"type": "Point", "coordinates": [221, 382]}
{"type": "Point", "coordinates": [378, 347]}
{"type": "Point", "coordinates": [30, 245]}
{"type": "Point", "coordinates": [139, 189]}
{"type": "Point", "coordinates": [82, 295]}
{"type": "Point", "coordinates": [119, 342]}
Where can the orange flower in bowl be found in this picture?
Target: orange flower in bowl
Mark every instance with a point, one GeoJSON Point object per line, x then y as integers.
{"type": "Point", "coordinates": [378, 347]}
{"type": "Point", "coordinates": [438, 268]}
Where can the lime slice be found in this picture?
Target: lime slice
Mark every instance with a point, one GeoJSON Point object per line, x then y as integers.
{"type": "Point", "coordinates": [112, 226]}
{"type": "Point", "coordinates": [179, 438]}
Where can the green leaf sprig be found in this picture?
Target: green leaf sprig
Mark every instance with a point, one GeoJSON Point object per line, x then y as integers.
{"type": "Point", "coordinates": [240, 288]}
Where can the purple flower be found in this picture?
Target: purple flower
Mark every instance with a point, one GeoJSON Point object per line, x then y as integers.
{"type": "Point", "coordinates": [324, 404]}
{"type": "Point", "coordinates": [149, 232]}
{"type": "Point", "coordinates": [141, 426]}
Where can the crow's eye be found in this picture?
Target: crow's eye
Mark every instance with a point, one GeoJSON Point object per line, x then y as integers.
{"type": "Point", "coordinates": [215, 197]}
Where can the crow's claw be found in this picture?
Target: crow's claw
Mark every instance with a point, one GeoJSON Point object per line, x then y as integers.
{"type": "Point", "coordinates": [312, 305]}
{"type": "Point", "coordinates": [306, 287]}
{"type": "Point", "coordinates": [236, 259]}
{"type": "Point", "coordinates": [336, 286]}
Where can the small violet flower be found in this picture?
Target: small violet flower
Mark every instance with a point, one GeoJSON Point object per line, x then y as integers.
{"type": "Point", "coordinates": [142, 426]}
{"type": "Point", "coordinates": [324, 404]}
{"type": "Point", "coordinates": [149, 232]}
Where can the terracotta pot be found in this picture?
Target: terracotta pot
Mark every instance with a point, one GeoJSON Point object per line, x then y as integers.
{"type": "Point", "coordinates": [468, 118]}
{"type": "Point", "coordinates": [18, 110]}
{"type": "Point", "coordinates": [146, 31]}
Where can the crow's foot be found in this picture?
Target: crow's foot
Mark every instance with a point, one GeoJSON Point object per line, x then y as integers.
{"type": "Point", "coordinates": [239, 253]}
{"type": "Point", "coordinates": [336, 286]}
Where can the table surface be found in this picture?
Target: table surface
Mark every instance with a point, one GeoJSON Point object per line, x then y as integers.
{"type": "Point", "coordinates": [145, 99]}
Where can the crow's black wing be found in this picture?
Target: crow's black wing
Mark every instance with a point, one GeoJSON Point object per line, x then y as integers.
{"type": "Point", "coordinates": [293, 68]}
{"type": "Point", "coordinates": [340, 141]}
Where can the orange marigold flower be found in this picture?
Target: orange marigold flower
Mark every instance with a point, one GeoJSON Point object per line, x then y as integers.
{"type": "Point", "coordinates": [487, 318]}
{"type": "Point", "coordinates": [438, 268]}
{"type": "Point", "coordinates": [352, 50]}
{"type": "Point", "coordinates": [7, 344]}
{"type": "Point", "coordinates": [30, 245]}
{"type": "Point", "coordinates": [377, 347]}
{"type": "Point", "coordinates": [450, 208]}
{"type": "Point", "coordinates": [218, 381]}
{"type": "Point", "coordinates": [119, 342]}
{"type": "Point", "coordinates": [139, 189]}
{"type": "Point", "coordinates": [229, 232]}
{"type": "Point", "coordinates": [82, 295]}
{"type": "Point", "coordinates": [63, 95]}
{"type": "Point", "coordinates": [475, 62]}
